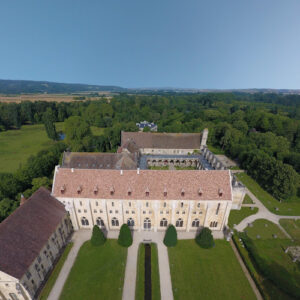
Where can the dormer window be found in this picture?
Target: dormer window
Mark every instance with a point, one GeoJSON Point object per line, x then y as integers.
{"type": "Point", "coordinates": [147, 192]}
{"type": "Point", "coordinates": [182, 192]}
{"type": "Point", "coordinates": [129, 192]}
{"type": "Point", "coordinates": [181, 204]}
{"type": "Point", "coordinates": [200, 192]}
{"type": "Point", "coordinates": [79, 189]}
{"type": "Point", "coordinates": [62, 189]}
{"type": "Point", "coordinates": [112, 190]}
{"type": "Point", "coordinates": [165, 192]}
{"type": "Point", "coordinates": [95, 189]}
{"type": "Point", "coordinates": [220, 192]}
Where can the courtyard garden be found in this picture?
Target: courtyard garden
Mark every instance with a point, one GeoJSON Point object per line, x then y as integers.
{"type": "Point", "coordinates": [236, 216]}
{"type": "Point", "coordinates": [264, 251]}
{"type": "Point", "coordinates": [140, 275]}
{"type": "Point", "coordinates": [207, 273]}
{"type": "Point", "coordinates": [98, 273]}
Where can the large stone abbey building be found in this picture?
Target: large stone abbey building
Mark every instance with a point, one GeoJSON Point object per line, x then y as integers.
{"type": "Point", "coordinates": [110, 189]}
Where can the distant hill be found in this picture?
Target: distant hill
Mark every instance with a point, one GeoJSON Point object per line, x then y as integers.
{"type": "Point", "coordinates": [33, 87]}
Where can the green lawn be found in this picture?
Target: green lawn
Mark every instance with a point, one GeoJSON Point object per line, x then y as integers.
{"type": "Point", "coordinates": [265, 229]}
{"type": "Point", "coordinates": [286, 208]}
{"type": "Point", "coordinates": [247, 200]}
{"type": "Point", "coordinates": [292, 227]}
{"type": "Point", "coordinates": [55, 272]}
{"type": "Point", "coordinates": [17, 145]}
{"type": "Point", "coordinates": [98, 273]}
{"type": "Point", "coordinates": [158, 168]}
{"type": "Point", "coordinates": [215, 150]}
{"type": "Point", "coordinates": [140, 275]}
{"type": "Point", "coordinates": [185, 168]}
{"type": "Point", "coordinates": [207, 274]}
{"type": "Point", "coordinates": [236, 216]}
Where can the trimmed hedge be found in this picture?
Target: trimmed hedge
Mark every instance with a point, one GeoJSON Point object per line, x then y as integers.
{"type": "Point", "coordinates": [205, 239]}
{"type": "Point", "coordinates": [170, 239]}
{"type": "Point", "coordinates": [125, 238]}
{"type": "Point", "coordinates": [98, 237]}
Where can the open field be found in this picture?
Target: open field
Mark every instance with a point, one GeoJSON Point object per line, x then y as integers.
{"type": "Point", "coordinates": [54, 274]}
{"type": "Point", "coordinates": [50, 97]}
{"type": "Point", "coordinates": [285, 208]}
{"type": "Point", "coordinates": [207, 274]}
{"type": "Point", "coordinates": [140, 275]}
{"type": "Point", "coordinates": [17, 145]}
{"type": "Point", "coordinates": [236, 216]}
{"type": "Point", "coordinates": [292, 227]}
{"type": "Point", "coordinates": [98, 273]}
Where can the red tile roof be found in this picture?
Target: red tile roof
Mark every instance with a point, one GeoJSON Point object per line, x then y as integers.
{"type": "Point", "coordinates": [156, 181]}
{"type": "Point", "coordinates": [163, 140]}
{"type": "Point", "coordinates": [24, 233]}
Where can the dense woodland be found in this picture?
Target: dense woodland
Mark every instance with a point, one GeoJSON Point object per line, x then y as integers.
{"type": "Point", "coordinates": [260, 131]}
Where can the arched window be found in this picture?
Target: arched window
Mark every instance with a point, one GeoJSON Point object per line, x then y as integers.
{"type": "Point", "coordinates": [195, 223]}
{"type": "Point", "coordinates": [179, 223]}
{"type": "Point", "coordinates": [147, 223]}
{"type": "Point", "coordinates": [213, 224]}
{"type": "Point", "coordinates": [100, 222]}
{"type": "Point", "coordinates": [130, 222]}
{"type": "Point", "coordinates": [163, 222]}
{"type": "Point", "coordinates": [114, 222]}
{"type": "Point", "coordinates": [84, 221]}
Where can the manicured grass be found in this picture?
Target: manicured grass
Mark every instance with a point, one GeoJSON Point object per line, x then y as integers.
{"type": "Point", "coordinates": [247, 200]}
{"type": "Point", "coordinates": [55, 272]}
{"type": "Point", "coordinates": [98, 273]}
{"type": "Point", "coordinates": [285, 208]}
{"type": "Point", "coordinates": [292, 227]}
{"type": "Point", "coordinates": [140, 275]}
{"type": "Point", "coordinates": [185, 168]}
{"type": "Point", "coordinates": [236, 216]}
{"type": "Point", "coordinates": [207, 274]}
{"type": "Point", "coordinates": [265, 229]}
{"type": "Point", "coordinates": [158, 168]}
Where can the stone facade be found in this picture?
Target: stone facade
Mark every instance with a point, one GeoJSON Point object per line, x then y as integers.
{"type": "Point", "coordinates": [22, 280]}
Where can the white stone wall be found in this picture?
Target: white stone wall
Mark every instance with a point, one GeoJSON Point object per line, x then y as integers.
{"type": "Point", "coordinates": [177, 212]}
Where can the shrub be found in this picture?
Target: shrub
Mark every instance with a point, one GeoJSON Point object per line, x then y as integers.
{"type": "Point", "coordinates": [170, 239]}
{"type": "Point", "coordinates": [98, 237]}
{"type": "Point", "coordinates": [205, 238]}
{"type": "Point", "coordinates": [125, 238]}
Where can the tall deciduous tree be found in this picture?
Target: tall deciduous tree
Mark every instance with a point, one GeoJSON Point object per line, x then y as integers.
{"type": "Point", "coordinates": [205, 239]}
{"type": "Point", "coordinates": [49, 122]}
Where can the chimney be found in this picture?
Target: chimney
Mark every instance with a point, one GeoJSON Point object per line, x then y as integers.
{"type": "Point", "coordinates": [121, 172]}
{"type": "Point", "coordinates": [138, 171]}
{"type": "Point", "coordinates": [72, 170]}
{"type": "Point", "coordinates": [22, 200]}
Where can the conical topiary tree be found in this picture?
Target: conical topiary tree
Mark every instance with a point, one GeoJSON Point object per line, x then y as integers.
{"type": "Point", "coordinates": [170, 239]}
{"type": "Point", "coordinates": [98, 237]}
{"type": "Point", "coordinates": [205, 238]}
{"type": "Point", "coordinates": [125, 238]}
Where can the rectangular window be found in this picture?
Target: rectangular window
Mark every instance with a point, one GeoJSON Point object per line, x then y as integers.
{"type": "Point", "coordinates": [218, 208]}
{"type": "Point", "coordinates": [117, 211]}
{"type": "Point", "coordinates": [101, 211]}
{"type": "Point", "coordinates": [28, 275]}
{"type": "Point", "coordinates": [183, 212]}
{"type": "Point", "coordinates": [165, 204]}
{"type": "Point", "coordinates": [127, 212]}
{"type": "Point", "coordinates": [129, 204]}
{"type": "Point", "coordinates": [133, 212]}
{"type": "Point", "coordinates": [167, 211]}
{"type": "Point", "coordinates": [161, 212]}
{"type": "Point", "coordinates": [79, 210]}
{"type": "Point", "coordinates": [144, 212]}
{"type": "Point", "coordinates": [177, 212]}
{"type": "Point", "coordinates": [110, 211]}
{"type": "Point", "coordinates": [181, 204]}
{"type": "Point", "coordinates": [95, 210]}
{"type": "Point", "coordinates": [147, 204]}
{"type": "Point", "coordinates": [112, 204]}
{"type": "Point", "coordinates": [39, 259]}
{"type": "Point", "coordinates": [80, 203]}
{"type": "Point", "coordinates": [96, 203]}
{"type": "Point", "coordinates": [85, 210]}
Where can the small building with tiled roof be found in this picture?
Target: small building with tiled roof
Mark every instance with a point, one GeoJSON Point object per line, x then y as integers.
{"type": "Point", "coordinates": [145, 199]}
{"type": "Point", "coordinates": [96, 160]}
{"type": "Point", "coordinates": [31, 238]}
{"type": "Point", "coordinates": [163, 143]}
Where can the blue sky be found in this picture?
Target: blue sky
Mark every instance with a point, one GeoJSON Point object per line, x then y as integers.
{"type": "Point", "coordinates": [157, 43]}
